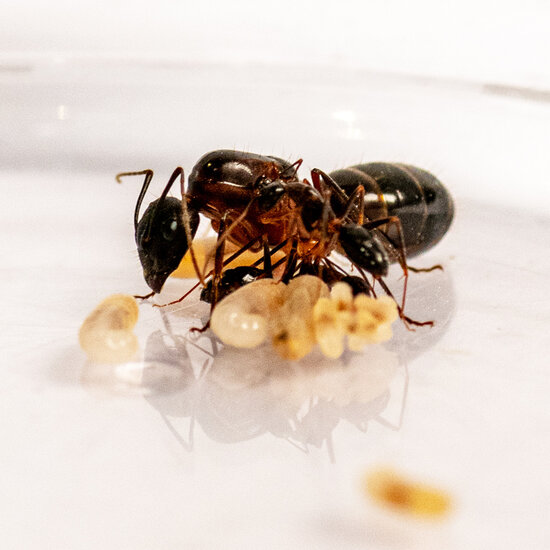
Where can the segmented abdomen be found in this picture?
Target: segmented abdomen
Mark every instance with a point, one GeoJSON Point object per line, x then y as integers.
{"type": "Point", "coordinates": [415, 196]}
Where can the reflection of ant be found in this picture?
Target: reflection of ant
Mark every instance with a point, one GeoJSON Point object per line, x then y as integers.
{"type": "Point", "coordinates": [372, 213]}
{"type": "Point", "coordinates": [235, 397]}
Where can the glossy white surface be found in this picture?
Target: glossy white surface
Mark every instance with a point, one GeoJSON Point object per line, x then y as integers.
{"type": "Point", "coordinates": [203, 447]}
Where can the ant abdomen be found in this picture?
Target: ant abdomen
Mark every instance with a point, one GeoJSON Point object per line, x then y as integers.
{"type": "Point", "coordinates": [420, 201]}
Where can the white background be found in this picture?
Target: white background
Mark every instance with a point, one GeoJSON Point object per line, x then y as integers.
{"type": "Point", "coordinates": [504, 42]}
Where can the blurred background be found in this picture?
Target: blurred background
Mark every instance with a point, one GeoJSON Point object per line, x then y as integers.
{"type": "Point", "coordinates": [493, 42]}
{"type": "Point", "coordinates": [193, 446]}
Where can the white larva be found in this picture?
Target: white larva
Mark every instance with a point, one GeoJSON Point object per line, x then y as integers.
{"type": "Point", "coordinates": [242, 318]}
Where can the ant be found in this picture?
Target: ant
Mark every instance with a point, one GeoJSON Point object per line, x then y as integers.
{"type": "Point", "coordinates": [373, 213]}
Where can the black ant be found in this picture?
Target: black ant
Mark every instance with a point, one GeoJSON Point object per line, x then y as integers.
{"type": "Point", "coordinates": [372, 213]}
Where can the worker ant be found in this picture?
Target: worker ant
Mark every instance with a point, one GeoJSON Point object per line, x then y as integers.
{"type": "Point", "coordinates": [374, 214]}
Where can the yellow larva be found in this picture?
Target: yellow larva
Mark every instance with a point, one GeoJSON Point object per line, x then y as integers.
{"type": "Point", "coordinates": [267, 309]}
{"type": "Point", "coordinates": [241, 319]}
{"type": "Point", "coordinates": [204, 250]}
{"type": "Point", "coordinates": [298, 315]}
{"type": "Point", "coordinates": [291, 326]}
{"type": "Point", "coordinates": [364, 320]}
{"type": "Point", "coordinates": [106, 335]}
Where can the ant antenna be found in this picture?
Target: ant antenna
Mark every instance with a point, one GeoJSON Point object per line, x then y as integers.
{"type": "Point", "coordinates": [178, 171]}
{"type": "Point", "coordinates": [148, 177]}
{"type": "Point", "coordinates": [173, 177]}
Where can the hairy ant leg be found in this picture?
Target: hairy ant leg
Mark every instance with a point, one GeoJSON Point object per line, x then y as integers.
{"type": "Point", "coordinates": [235, 278]}
{"type": "Point", "coordinates": [236, 254]}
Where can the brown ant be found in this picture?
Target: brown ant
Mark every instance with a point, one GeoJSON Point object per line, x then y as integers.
{"type": "Point", "coordinates": [372, 213]}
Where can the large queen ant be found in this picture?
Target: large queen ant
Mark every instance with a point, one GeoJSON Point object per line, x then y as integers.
{"type": "Point", "coordinates": [374, 214]}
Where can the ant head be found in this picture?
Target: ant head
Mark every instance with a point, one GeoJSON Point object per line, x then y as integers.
{"type": "Point", "coordinates": [269, 194]}
{"type": "Point", "coordinates": [161, 236]}
{"type": "Point", "coordinates": [364, 249]}
{"type": "Point", "coordinates": [161, 239]}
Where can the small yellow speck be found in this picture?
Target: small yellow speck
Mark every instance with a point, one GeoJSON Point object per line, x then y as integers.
{"type": "Point", "coordinates": [393, 491]}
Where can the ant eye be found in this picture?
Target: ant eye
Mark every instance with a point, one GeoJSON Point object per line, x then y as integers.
{"type": "Point", "coordinates": [169, 230]}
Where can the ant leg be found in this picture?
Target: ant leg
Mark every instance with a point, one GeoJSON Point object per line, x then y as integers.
{"type": "Point", "coordinates": [356, 200]}
{"type": "Point", "coordinates": [295, 166]}
{"type": "Point", "coordinates": [267, 258]}
{"type": "Point", "coordinates": [290, 267]}
{"type": "Point", "coordinates": [179, 299]}
{"type": "Point", "coordinates": [322, 181]}
{"type": "Point", "coordinates": [272, 252]}
{"type": "Point", "coordinates": [218, 261]}
{"type": "Point", "coordinates": [225, 262]}
{"type": "Point", "coordinates": [145, 296]}
{"type": "Point", "coordinates": [401, 249]}
{"type": "Point", "coordinates": [278, 263]}
{"type": "Point", "coordinates": [407, 320]}
{"type": "Point", "coordinates": [217, 273]}
{"type": "Point", "coordinates": [222, 236]}
{"type": "Point", "coordinates": [235, 255]}
{"type": "Point", "coordinates": [425, 269]}
{"type": "Point", "coordinates": [371, 286]}
{"type": "Point", "coordinates": [187, 225]}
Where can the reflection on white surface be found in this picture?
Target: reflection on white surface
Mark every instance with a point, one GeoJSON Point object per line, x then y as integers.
{"type": "Point", "coordinates": [246, 393]}
{"type": "Point", "coordinates": [240, 395]}
{"type": "Point", "coordinates": [237, 395]}
{"type": "Point", "coordinates": [139, 378]}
